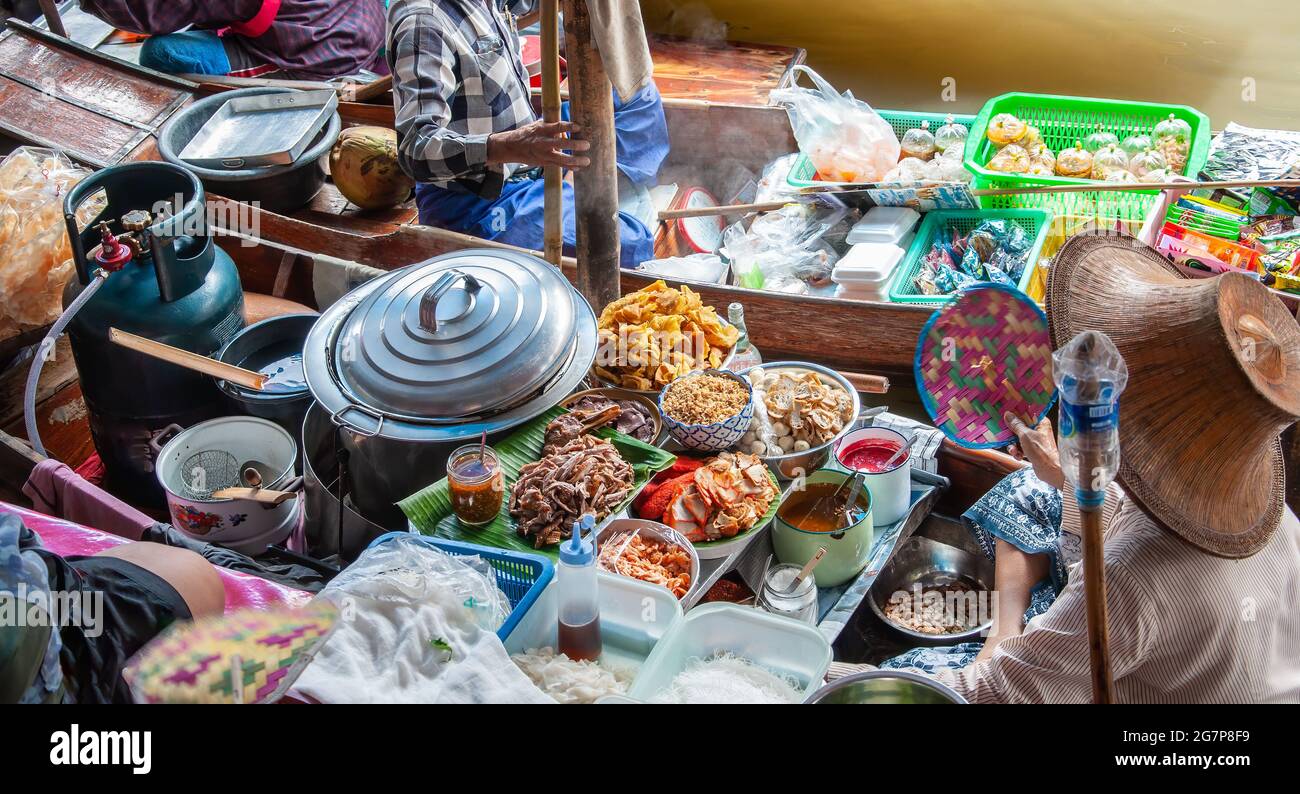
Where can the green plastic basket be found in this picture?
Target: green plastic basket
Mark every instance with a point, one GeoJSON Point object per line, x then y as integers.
{"type": "Point", "coordinates": [803, 175]}
{"type": "Point", "coordinates": [1102, 205]}
{"type": "Point", "coordinates": [1062, 120]}
{"type": "Point", "coordinates": [1036, 222]}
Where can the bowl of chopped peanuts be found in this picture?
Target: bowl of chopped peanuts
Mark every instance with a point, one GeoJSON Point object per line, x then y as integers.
{"type": "Point", "coordinates": [708, 410]}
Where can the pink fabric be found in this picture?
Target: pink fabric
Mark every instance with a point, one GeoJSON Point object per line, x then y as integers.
{"type": "Point", "coordinates": [58, 490]}
{"type": "Point", "coordinates": [69, 539]}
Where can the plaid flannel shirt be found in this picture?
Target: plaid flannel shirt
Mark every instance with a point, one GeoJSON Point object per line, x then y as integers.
{"type": "Point", "coordinates": [457, 77]}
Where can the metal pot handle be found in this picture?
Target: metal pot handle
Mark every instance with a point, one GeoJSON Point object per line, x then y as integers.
{"type": "Point", "coordinates": [156, 439]}
{"type": "Point", "coordinates": [429, 300]}
{"type": "Point", "coordinates": [337, 419]}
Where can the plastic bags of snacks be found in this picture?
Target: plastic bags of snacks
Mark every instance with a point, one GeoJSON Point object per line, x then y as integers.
{"type": "Point", "coordinates": [35, 255]}
{"type": "Point", "coordinates": [844, 138]}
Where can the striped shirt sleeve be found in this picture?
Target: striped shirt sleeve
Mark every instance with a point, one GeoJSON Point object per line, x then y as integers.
{"type": "Point", "coordinates": [424, 84]}
{"type": "Point", "coordinates": [1049, 662]}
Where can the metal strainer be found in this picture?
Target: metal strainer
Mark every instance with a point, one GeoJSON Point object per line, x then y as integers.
{"type": "Point", "coordinates": [207, 472]}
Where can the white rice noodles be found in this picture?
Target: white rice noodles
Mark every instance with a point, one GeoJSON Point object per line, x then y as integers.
{"type": "Point", "coordinates": [727, 679]}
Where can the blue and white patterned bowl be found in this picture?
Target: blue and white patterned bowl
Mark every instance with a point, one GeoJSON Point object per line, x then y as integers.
{"type": "Point", "coordinates": [714, 437]}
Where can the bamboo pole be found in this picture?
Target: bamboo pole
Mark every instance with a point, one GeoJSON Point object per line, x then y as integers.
{"type": "Point", "coordinates": [591, 106]}
{"type": "Point", "coordinates": [553, 203]}
{"type": "Point", "coordinates": [1094, 590]}
{"type": "Point", "coordinates": [50, 8]}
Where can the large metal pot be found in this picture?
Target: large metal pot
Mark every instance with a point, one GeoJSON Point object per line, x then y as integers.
{"type": "Point", "coordinates": [414, 364]}
{"type": "Point", "coordinates": [886, 687]}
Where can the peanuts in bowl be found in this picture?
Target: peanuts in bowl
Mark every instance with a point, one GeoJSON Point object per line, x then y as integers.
{"type": "Point", "coordinates": [704, 399]}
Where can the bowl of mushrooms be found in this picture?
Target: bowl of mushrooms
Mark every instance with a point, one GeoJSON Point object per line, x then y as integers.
{"type": "Point", "coordinates": [800, 411]}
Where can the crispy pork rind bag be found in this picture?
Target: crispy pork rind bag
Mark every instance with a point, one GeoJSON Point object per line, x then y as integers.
{"type": "Point", "coordinates": [35, 255]}
{"type": "Point", "coordinates": [844, 138]}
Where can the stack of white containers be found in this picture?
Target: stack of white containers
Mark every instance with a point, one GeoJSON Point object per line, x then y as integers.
{"type": "Point", "coordinates": [878, 242]}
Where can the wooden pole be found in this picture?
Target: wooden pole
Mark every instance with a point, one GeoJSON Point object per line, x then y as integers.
{"type": "Point", "coordinates": [1094, 590]}
{"type": "Point", "coordinates": [50, 8]}
{"type": "Point", "coordinates": [553, 204]}
{"type": "Point", "coordinates": [591, 105]}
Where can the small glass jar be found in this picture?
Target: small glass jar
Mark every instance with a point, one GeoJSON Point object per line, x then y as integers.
{"type": "Point", "coordinates": [800, 604]}
{"type": "Point", "coordinates": [476, 484]}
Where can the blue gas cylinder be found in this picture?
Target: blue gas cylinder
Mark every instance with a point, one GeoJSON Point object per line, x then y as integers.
{"type": "Point", "coordinates": [169, 282]}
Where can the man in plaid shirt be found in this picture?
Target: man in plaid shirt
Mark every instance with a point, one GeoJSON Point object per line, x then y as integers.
{"type": "Point", "coordinates": [468, 134]}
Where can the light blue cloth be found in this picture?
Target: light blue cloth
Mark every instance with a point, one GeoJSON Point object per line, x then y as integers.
{"type": "Point", "coordinates": [189, 52]}
{"type": "Point", "coordinates": [517, 216]}
{"type": "Point", "coordinates": [25, 575]}
{"type": "Point", "coordinates": [1025, 512]}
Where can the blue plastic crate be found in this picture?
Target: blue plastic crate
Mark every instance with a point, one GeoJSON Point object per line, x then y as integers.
{"type": "Point", "coordinates": [522, 577]}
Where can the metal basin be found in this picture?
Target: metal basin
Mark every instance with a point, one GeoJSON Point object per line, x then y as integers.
{"type": "Point", "coordinates": [279, 188]}
{"type": "Point", "coordinates": [886, 687]}
{"type": "Point", "coordinates": [930, 564]}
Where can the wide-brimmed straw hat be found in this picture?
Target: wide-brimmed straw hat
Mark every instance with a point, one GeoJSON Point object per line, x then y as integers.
{"type": "Point", "coordinates": [1214, 379]}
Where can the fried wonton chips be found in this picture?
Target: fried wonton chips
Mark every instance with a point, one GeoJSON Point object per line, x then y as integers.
{"type": "Point", "coordinates": [654, 335]}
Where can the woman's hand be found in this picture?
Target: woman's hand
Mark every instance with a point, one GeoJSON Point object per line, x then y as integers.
{"type": "Point", "coordinates": [1038, 446]}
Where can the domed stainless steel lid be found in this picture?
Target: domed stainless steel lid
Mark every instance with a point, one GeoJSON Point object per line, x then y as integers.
{"type": "Point", "coordinates": [475, 340]}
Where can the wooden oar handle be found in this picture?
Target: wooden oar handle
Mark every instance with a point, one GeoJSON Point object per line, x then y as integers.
{"type": "Point", "coordinates": [184, 358]}
{"type": "Point", "coordinates": [867, 384]}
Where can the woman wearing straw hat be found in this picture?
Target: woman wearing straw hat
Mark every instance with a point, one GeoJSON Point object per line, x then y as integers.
{"type": "Point", "coordinates": [1202, 555]}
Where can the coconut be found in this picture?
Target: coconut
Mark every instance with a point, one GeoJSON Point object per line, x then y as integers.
{"type": "Point", "coordinates": [364, 166]}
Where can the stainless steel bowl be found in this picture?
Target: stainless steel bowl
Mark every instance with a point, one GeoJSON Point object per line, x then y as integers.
{"type": "Point", "coordinates": [659, 532]}
{"type": "Point", "coordinates": [886, 687]}
{"type": "Point", "coordinates": [788, 467]}
{"type": "Point", "coordinates": [932, 565]}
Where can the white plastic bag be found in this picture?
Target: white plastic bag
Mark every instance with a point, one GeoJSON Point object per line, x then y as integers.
{"type": "Point", "coordinates": [844, 138]}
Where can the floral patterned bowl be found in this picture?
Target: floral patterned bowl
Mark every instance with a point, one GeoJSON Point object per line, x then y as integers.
{"type": "Point", "coordinates": [717, 436]}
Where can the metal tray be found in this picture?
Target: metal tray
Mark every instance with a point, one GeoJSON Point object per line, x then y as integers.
{"type": "Point", "coordinates": [262, 130]}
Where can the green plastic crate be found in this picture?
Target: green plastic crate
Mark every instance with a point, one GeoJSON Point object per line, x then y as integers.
{"type": "Point", "coordinates": [802, 174]}
{"type": "Point", "coordinates": [1105, 206]}
{"type": "Point", "coordinates": [1062, 120]}
{"type": "Point", "coordinates": [1036, 223]}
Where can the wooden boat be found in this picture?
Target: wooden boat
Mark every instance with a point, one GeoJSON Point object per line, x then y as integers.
{"type": "Point", "coordinates": [101, 111]}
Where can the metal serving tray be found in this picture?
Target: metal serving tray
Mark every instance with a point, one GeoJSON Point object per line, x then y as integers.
{"type": "Point", "coordinates": [268, 129]}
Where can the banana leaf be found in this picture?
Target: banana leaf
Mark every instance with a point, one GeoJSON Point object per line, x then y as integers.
{"type": "Point", "coordinates": [430, 509]}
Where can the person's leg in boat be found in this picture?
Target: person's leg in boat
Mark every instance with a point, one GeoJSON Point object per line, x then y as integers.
{"type": "Point", "coordinates": [201, 52]}
{"type": "Point", "coordinates": [126, 596]}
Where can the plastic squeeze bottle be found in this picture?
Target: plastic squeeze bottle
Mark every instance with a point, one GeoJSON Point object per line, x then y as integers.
{"type": "Point", "coordinates": [575, 582]}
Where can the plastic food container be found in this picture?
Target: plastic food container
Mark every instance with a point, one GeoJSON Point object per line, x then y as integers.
{"type": "Point", "coordinates": [782, 645]}
{"type": "Point", "coordinates": [883, 225]}
{"type": "Point", "coordinates": [634, 617]}
{"type": "Point", "coordinates": [867, 269]}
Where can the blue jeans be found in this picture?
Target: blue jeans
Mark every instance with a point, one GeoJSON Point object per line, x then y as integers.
{"type": "Point", "coordinates": [516, 217]}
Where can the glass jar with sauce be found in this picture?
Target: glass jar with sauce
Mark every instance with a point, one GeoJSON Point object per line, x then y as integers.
{"type": "Point", "coordinates": [476, 484]}
{"type": "Point", "coordinates": [778, 598]}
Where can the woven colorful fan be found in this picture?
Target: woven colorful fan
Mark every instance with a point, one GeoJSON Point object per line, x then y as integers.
{"type": "Point", "coordinates": [984, 354]}
{"type": "Point", "coordinates": [197, 662]}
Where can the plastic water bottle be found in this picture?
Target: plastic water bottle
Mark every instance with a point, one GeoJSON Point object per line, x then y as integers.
{"type": "Point", "coordinates": [579, 605]}
{"type": "Point", "coordinates": [1090, 374]}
